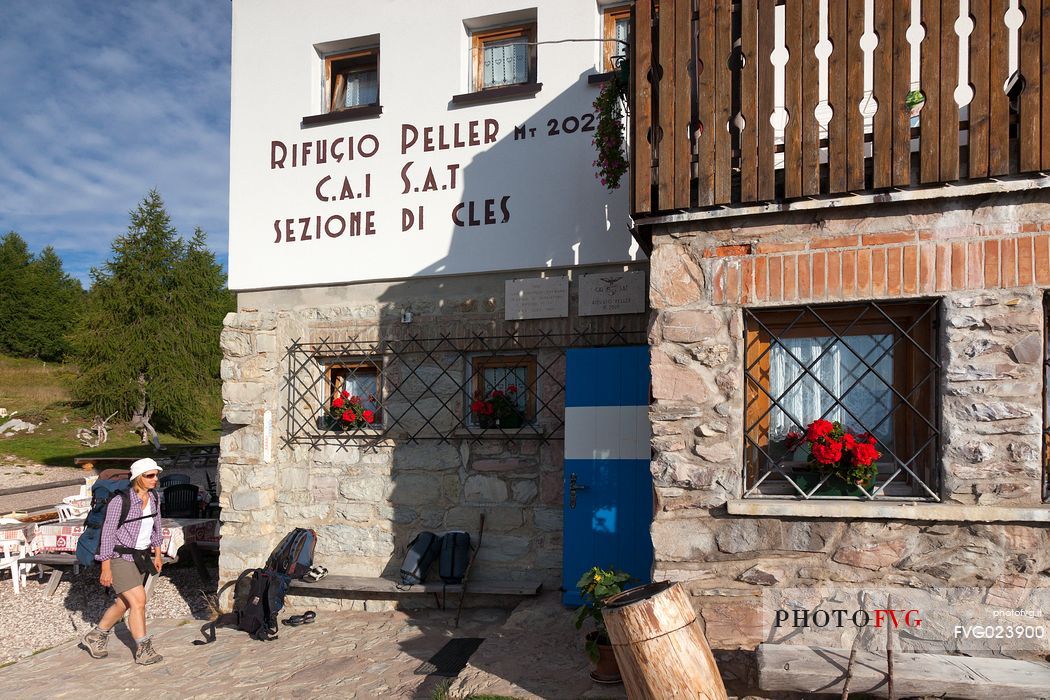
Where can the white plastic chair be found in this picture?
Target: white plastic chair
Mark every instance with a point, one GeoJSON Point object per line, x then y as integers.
{"type": "Point", "coordinates": [79, 505]}
{"type": "Point", "coordinates": [65, 512]}
{"type": "Point", "coordinates": [12, 551]}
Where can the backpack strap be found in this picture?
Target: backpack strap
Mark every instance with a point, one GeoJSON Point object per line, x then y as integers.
{"type": "Point", "coordinates": [125, 506]}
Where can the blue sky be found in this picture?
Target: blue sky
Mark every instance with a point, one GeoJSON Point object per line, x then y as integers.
{"type": "Point", "coordinates": [102, 101]}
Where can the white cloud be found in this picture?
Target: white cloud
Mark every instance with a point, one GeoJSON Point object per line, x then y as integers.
{"type": "Point", "coordinates": [103, 101]}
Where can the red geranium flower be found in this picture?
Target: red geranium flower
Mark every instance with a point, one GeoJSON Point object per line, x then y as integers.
{"type": "Point", "coordinates": [349, 416]}
{"type": "Point", "coordinates": [793, 439]}
{"type": "Point", "coordinates": [355, 400]}
{"type": "Point", "coordinates": [818, 429]}
{"type": "Point", "coordinates": [829, 452]}
{"type": "Point", "coordinates": [368, 416]}
{"type": "Point", "coordinates": [864, 454]}
{"type": "Point", "coordinates": [337, 402]}
{"type": "Point", "coordinates": [512, 389]}
{"type": "Point", "coordinates": [478, 407]}
{"type": "Point", "coordinates": [346, 394]}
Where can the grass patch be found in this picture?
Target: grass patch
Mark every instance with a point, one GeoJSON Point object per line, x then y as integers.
{"type": "Point", "coordinates": [40, 393]}
{"type": "Point", "coordinates": [28, 386]}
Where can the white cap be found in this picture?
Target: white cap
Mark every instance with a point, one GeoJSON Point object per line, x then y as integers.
{"type": "Point", "coordinates": [141, 466]}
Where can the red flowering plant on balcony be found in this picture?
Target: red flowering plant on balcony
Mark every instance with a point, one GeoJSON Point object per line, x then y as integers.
{"type": "Point", "coordinates": [837, 451]}
{"type": "Point", "coordinates": [348, 412]}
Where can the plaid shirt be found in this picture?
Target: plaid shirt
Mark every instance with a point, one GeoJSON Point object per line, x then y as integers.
{"type": "Point", "coordinates": [128, 534]}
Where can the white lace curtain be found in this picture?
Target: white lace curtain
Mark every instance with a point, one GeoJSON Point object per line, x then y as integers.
{"type": "Point", "coordinates": [870, 400]}
{"type": "Point", "coordinates": [506, 62]}
{"type": "Point", "coordinates": [362, 88]}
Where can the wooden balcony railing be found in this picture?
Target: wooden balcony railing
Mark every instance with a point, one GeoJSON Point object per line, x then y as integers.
{"type": "Point", "coordinates": [774, 100]}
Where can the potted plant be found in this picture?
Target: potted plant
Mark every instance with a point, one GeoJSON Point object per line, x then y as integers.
{"type": "Point", "coordinates": [498, 409]}
{"type": "Point", "coordinates": [846, 457]}
{"type": "Point", "coordinates": [914, 102]}
{"type": "Point", "coordinates": [348, 412]}
{"type": "Point", "coordinates": [595, 586]}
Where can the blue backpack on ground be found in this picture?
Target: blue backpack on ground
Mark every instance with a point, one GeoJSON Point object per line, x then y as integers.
{"type": "Point", "coordinates": [102, 492]}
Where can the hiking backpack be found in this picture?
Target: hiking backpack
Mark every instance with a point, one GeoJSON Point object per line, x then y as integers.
{"type": "Point", "coordinates": [422, 551]}
{"type": "Point", "coordinates": [102, 492]}
{"type": "Point", "coordinates": [258, 600]}
{"type": "Point", "coordinates": [455, 555]}
{"type": "Point", "coordinates": [294, 555]}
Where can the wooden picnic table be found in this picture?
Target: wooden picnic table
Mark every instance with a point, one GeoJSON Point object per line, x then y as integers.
{"type": "Point", "coordinates": [56, 544]}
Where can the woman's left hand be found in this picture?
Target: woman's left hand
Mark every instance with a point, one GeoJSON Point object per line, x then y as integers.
{"type": "Point", "coordinates": [158, 561]}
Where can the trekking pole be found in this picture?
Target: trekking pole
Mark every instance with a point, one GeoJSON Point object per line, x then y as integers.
{"type": "Point", "coordinates": [466, 573]}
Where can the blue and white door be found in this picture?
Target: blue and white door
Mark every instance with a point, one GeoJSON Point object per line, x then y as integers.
{"type": "Point", "coordinates": [608, 486]}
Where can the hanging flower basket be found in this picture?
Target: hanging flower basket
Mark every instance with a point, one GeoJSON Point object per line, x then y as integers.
{"type": "Point", "coordinates": [611, 162]}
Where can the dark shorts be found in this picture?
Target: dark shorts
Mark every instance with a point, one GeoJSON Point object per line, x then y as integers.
{"type": "Point", "coordinates": [125, 575]}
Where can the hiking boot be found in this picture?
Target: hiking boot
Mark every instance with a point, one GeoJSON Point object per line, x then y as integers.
{"type": "Point", "coordinates": [95, 643]}
{"type": "Point", "coordinates": [144, 653]}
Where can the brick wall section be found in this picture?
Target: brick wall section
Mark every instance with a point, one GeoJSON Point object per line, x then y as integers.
{"type": "Point", "coordinates": [902, 264]}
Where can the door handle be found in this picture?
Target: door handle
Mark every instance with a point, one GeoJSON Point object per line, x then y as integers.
{"type": "Point", "coordinates": [573, 488]}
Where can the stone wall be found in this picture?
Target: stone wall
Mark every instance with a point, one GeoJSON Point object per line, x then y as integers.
{"type": "Point", "coordinates": [366, 503]}
{"type": "Point", "coordinates": [988, 261]}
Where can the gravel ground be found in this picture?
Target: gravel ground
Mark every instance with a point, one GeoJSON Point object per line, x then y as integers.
{"type": "Point", "coordinates": [15, 472]}
{"type": "Point", "coordinates": [30, 621]}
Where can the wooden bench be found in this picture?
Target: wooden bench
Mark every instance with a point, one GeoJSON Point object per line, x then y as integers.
{"type": "Point", "coordinates": [342, 586]}
{"type": "Point", "coordinates": [803, 669]}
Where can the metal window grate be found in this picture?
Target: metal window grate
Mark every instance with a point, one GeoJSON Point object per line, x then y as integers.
{"type": "Point", "coordinates": [425, 385]}
{"type": "Point", "coordinates": [873, 366]}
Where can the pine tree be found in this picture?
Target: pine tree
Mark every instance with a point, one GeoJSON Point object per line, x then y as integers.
{"type": "Point", "coordinates": [148, 340]}
{"type": "Point", "coordinates": [38, 301]}
{"type": "Point", "coordinates": [52, 304]}
{"type": "Point", "coordinates": [14, 261]}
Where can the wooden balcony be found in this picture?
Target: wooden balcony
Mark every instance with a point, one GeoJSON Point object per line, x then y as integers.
{"type": "Point", "coordinates": [775, 101]}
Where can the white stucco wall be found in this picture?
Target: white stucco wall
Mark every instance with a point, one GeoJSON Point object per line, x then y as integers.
{"type": "Point", "coordinates": [559, 214]}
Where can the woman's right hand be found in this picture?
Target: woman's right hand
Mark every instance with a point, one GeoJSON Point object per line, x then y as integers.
{"type": "Point", "coordinates": [106, 579]}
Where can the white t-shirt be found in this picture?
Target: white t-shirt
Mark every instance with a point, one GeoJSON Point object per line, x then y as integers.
{"type": "Point", "coordinates": [145, 526]}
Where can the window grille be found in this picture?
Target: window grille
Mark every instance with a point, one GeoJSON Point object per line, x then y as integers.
{"type": "Point", "coordinates": [424, 385]}
{"type": "Point", "coordinates": [872, 367]}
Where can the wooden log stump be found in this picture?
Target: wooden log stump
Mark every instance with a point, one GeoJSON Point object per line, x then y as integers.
{"type": "Point", "coordinates": [661, 650]}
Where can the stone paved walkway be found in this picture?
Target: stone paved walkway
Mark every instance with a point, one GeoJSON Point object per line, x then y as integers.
{"type": "Point", "coordinates": [535, 653]}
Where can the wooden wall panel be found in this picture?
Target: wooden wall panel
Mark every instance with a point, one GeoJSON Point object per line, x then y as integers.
{"type": "Point", "coordinates": [641, 107]}
{"type": "Point", "coordinates": [810, 98]}
{"type": "Point", "coordinates": [949, 128]}
{"type": "Point", "coordinates": [705, 94]}
{"type": "Point", "coordinates": [838, 36]}
{"type": "Point", "coordinates": [665, 106]}
{"type": "Point", "coordinates": [793, 99]}
{"type": "Point", "coordinates": [978, 117]}
{"type": "Point", "coordinates": [930, 78]}
{"type": "Point", "coordinates": [766, 135]}
{"type": "Point", "coordinates": [882, 124]}
{"type": "Point", "coordinates": [749, 101]}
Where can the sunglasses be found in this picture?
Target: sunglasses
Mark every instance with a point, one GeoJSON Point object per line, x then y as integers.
{"type": "Point", "coordinates": [154, 475]}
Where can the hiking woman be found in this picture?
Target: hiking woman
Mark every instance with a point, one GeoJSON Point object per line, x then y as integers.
{"type": "Point", "coordinates": [129, 551]}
